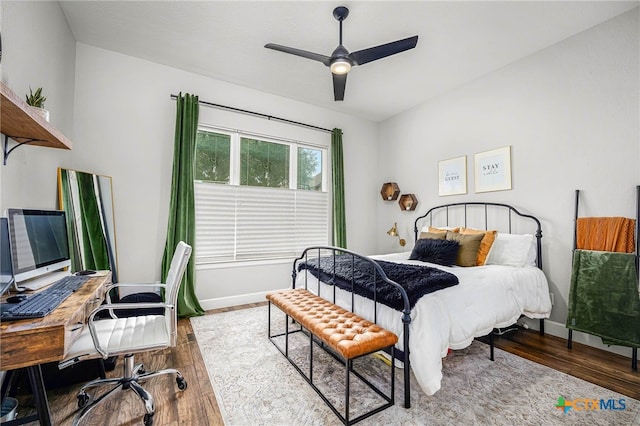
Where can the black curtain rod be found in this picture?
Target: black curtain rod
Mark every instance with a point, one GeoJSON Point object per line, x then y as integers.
{"type": "Point", "coordinates": [258, 114]}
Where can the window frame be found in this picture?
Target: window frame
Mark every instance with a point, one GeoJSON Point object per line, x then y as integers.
{"type": "Point", "coordinates": [235, 166]}
{"type": "Point", "coordinates": [234, 181]}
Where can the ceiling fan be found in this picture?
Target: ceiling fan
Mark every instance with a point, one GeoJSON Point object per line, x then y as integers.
{"type": "Point", "coordinates": [341, 61]}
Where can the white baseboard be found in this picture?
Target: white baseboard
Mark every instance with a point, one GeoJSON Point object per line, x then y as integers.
{"type": "Point", "coordinates": [226, 302]}
{"type": "Point", "coordinates": [560, 330]}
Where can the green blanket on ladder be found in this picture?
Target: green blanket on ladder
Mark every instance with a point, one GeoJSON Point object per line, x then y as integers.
{"type": "Point", "coordinates": [604, 300]}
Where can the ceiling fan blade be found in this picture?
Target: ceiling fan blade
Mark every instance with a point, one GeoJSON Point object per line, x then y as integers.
{"type": "Point", "coordinates": [382, 51]}
{"type": "Point", "coordinates": [339, 83]}
{"type": "Point", "coordinates": [298, 52]}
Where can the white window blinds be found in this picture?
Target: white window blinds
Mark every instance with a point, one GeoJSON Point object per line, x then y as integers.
{"type": "Point", "coordinates": [237, 223]}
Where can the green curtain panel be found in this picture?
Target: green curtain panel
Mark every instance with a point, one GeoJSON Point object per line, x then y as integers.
{"type": "Point", "coordinates": [94, 243]}
{"type": "Point", "coordinates": [337, 171]}
{"type": "Point", "coordinates": [182, 221]}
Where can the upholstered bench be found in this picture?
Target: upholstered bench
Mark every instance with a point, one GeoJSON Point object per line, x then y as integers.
{"type": "Point", "coordinates": [342, 332]}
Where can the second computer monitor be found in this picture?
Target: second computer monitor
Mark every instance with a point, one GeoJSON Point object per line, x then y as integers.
{"type": "Point", "coordinates": [6, 271]}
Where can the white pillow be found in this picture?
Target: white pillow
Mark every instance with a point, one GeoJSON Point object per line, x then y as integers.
{"type": "Point", "coordinates": [512, 250]}
{"type": "Point", "coordinates": [533, 253]}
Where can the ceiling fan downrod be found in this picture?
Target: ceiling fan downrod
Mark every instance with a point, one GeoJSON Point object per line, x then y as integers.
{"type": "Point", "coordinates": [340, 13]}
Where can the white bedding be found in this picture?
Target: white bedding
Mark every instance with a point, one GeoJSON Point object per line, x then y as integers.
{"type": "Point", "coordinates": [487, 297]}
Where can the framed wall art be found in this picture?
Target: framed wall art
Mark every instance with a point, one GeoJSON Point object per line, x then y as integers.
{"type": "Point", "coordinates": [493, 170]}
{"type": "Point", "coordinates": [452, 176]}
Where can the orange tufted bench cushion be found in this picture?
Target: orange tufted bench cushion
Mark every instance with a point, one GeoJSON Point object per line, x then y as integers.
{"type": "Point", "coordinates": [344, 331]}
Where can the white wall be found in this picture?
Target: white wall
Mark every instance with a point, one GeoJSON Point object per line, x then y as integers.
{"type": "Point", "coordinates": [571, 115]}
{"type": "Point", "coordinates": [38, 50]}
{"type": "Point", "coordinates": [124, 127]}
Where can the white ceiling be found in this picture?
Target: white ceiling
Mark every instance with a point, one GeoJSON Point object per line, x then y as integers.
{"type": "Point", "coordinates": [459, 42]}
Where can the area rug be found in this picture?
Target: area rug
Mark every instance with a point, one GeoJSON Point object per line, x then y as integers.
{"type": "Point", "coordinates": [256, 385]}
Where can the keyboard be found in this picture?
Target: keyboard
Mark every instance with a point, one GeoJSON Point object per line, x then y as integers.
{"type": "Point", "coordinates": [45, 301]}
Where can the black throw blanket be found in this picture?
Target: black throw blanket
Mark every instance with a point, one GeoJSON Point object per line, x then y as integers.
{"type": "Point", "coordinates": [416, 280]}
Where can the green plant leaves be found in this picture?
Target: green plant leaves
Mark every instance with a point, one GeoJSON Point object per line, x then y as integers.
{"type": "Point", "coordinates": [36, 99]}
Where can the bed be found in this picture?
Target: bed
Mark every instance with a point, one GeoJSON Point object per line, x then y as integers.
{"type": "Point", "coordinates": [487, 297]}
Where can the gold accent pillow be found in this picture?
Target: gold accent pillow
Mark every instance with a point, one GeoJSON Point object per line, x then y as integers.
{"type": "Point", "coordinates": [433, 235]}
{"type": "Point", "coordinates": [469, 245]}
{"type": "Point", "coordinates": [445, 229]}
{"type": "Point", "coordinates": [485, 244]}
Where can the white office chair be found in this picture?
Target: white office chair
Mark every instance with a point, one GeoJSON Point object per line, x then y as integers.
{"type": "Point", "coordinates": [126, 336]}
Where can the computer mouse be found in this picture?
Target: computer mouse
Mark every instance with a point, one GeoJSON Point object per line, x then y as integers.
{"type": "Point", "coordinates": [86, 272]}
{"type": "Point", "coordinates": [16, 299]}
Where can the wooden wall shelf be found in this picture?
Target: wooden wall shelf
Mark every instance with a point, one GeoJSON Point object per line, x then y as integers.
{"type": "Point", "coordinates": [408, 202]}
{"type": "Point", "coordinates": [390, 191]}
{"type": "Point", "coordinates": [20, 123]}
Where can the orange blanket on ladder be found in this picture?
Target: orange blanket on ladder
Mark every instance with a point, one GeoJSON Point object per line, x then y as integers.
{"type": "Point", "coordinates": [606, 234]}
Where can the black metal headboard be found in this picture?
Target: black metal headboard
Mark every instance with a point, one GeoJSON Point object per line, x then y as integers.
{"type": "Point", "coordinates": [487, 208]}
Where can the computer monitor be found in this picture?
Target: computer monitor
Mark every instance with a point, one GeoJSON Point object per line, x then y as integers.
{"type": "Point", "coordinates": [6, 271]}
{"type": "Point", "coordinates": [38, 241]}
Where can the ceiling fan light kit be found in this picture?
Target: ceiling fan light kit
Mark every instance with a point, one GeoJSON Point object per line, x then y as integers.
{"type": "Point", "coordinates": [340, 66]}
{"type": "Point", "coordinates": [341, 61]}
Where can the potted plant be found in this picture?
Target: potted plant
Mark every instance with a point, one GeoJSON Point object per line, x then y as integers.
{"type": "Point", "coordinates": [36, 101]}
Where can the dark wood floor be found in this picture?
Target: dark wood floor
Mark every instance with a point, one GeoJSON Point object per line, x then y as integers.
{"type": "Point", "coordinates": [606, 369]}
{"type": "Point", "coordinates": [197, 405]}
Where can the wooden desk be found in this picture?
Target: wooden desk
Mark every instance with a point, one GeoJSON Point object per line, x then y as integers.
{"type": "Point", "coordinates": [29, 343]}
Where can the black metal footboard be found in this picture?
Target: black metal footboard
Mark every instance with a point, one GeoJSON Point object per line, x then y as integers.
{"type": "Point", "coordinates": [318, 252]}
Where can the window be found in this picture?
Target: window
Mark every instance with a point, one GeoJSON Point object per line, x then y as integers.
{"type": "Point", "coordinates": [257, 197]}
{"type": "Point", "coordinates": [213, 157]}
{"type": "Point", "coordinates": [264, 163]}
{"type": "Point", "coordinates": [309, 169]}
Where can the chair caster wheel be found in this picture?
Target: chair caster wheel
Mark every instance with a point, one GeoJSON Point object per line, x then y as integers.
{"type": "Point", "coordinates": [83, 400]}
{"type": "Point", "coordinates": [182, 383]}
{"type": "Point", "coordinates": [148, 420]}
{"type": "Point", "coordinates": [141, 370]}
